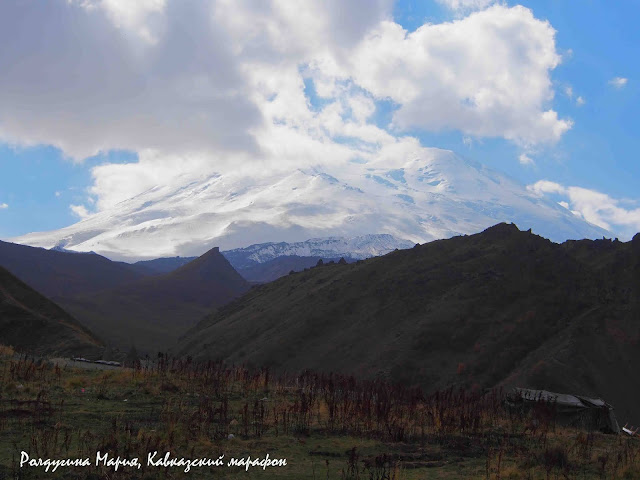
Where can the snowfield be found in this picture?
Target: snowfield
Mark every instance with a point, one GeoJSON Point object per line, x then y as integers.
{"type": "Point", "coordinates": [434, 195]}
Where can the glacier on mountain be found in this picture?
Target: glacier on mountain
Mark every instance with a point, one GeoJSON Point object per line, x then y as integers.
{"type": "Point", "coordinates": [433, 195]}
{"type": "Point", "coordinates": [356, 248]}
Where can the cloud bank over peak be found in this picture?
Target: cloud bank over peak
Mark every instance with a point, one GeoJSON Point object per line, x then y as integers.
{"type": "Point", "coordinates": [195, 87]}
{"type": "Point", "coordinates": [177, 76]}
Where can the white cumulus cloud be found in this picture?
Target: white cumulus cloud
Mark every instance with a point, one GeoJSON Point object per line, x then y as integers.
{"type": "Point", "coordinates": [80, 211]}
{"type": "Point", "coordinates": [595, 207]}
{"type": "Point", "coordinates": [487, 75]}
{"type": "Point", "coordinates": [136, 16]}
{"type": "Point", "coordinates": [3, 206]}
{"type": "Point", "coordinates": [525, 159]}
{"type": "Point", "coordinates": [618, 82]}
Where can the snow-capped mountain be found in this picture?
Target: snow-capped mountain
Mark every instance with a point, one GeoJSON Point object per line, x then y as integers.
{"type": "Point", "coordinates": [435, 194]}
{"type": "Point", "coordinates": [59, 248]}
{"type": "Point", "coordinates": [365, 246]}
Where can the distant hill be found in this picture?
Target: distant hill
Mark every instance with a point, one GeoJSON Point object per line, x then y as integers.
{"type": "Point", "coordinates": [252, 271]}
{"type": "Point", "coordinates": [153, 311]}
{"type": "Point", "coordinates": [502, 307]}
{"type": "Point", "coordinates": [31, 323]}
{"type": "Point", "coordinates": [161, 265]}
{"type": "Point", "coordinates": [265, 262]}
{"type": "Point", "coordinates": [278, 267]}
{"type": "Point", "coordinates": [62, 274]}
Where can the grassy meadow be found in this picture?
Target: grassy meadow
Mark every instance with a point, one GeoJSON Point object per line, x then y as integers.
{"type": "Point", "coordinates": [325, 426]}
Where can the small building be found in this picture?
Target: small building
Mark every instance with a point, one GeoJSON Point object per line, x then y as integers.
{"type": "Point", "coordinates": [590, 414]}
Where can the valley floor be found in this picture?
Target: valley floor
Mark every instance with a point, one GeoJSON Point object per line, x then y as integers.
{"type": "Point", "coordinates": [325, 426]}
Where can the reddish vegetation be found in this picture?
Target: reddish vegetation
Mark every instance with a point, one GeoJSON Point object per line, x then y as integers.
{"type": "Point", "coordinates": [617, 332]}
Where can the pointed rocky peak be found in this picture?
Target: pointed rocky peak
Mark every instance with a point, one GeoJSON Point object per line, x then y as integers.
{"type": "Point", "coordinates": [209, 255]}
{"type": "Point", "coordinates": [209, 268]}
{"type": "Point", "coordinates": [211, 260]}
{"type": "Point", "coordinates": [211, 252]}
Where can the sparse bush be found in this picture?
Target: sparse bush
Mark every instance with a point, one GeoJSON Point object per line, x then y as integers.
{"type": "Point", "coordinates": [6, 351]}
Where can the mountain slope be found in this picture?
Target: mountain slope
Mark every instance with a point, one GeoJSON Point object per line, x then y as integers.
{"type": "Point", "coordinates": [152, 312]}
{"type": "Point", "coordinates": [161, 265]}
{"type": "Point", "coordinates": [485, 309]}
{"type": "Point", "coordinates": [281, 266]}
{"type": "Point", "coordinates": [30, 322]}
{"type": "Point", "coordinates": [265, 262]}
{"type": "Point", "coordinates": [433, 195]}
{"type": "Point", "coordinates": [56, 273]}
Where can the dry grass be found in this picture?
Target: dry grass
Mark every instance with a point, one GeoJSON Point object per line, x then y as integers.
{"type": "Point", "coordinates": [328, 426]}
{"type": "Point", "coordinates": [6, 351]}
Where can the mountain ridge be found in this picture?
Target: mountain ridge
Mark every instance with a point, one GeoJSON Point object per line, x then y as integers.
{"type": "Point", "coordinates": [56, 273]}
{"type": "Point", "coordinates": [358, 248]}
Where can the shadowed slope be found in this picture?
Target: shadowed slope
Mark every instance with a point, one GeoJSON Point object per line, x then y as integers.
{"type": "Point", "coordinates": [278, 267]}
{"type": "Point", "coordinates": [251, 271]}
{"type": "Point", "coordinates": [60, 274]}
{"type": "Point", "coordinates": [477, 310]}
{"type": "Point", "coordinates": [161, 265]}
{"type": "Point", "coordinates": [153, 311]}
{"type": "Point", "coordinates": [30, 322]}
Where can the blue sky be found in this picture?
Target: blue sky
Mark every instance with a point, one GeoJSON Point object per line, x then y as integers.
{"type": "Point", "coordinates": [598, 42]}
{"type": "Point", "coordinates": [39, 184]}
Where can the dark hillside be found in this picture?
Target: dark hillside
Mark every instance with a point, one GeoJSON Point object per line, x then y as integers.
{"type": "Point", "coordinates": [161, 265]}
{"type": "Point", "coordinates": [152, 312]}
{"type": "Point", "coordinates": [250, 271]}
{"type": "Point", "coordinates": [499, 307]}
{"type": "Point", "coordinates": [31, 323]}
{"type": "Point", "coordinates": [279, 267]}
{"type": "Point", "coordinates": [62, 274]}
